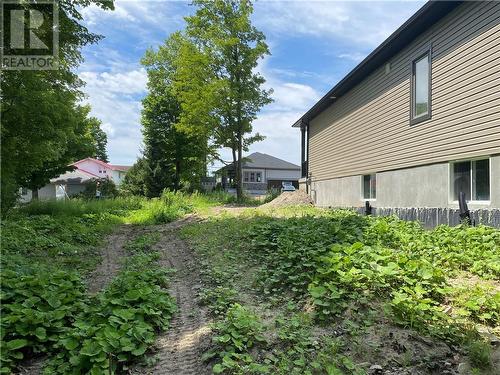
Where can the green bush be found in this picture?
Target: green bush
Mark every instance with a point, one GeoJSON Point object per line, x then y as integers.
{"type": "Point", "coordinates": [235, 336]}
{"type": "Point", "coordinates": [120, 325]}
{"type": "Point", "coordinates": [38, 306]}
{"type": "Point", "coordinates": [106, 186]}
{"type": "Point", "coordinates": [340, 258]}
{"type": "Point", "coordinates": [78, 207]}
{"type": "Point", "coordinates": [271, 195]}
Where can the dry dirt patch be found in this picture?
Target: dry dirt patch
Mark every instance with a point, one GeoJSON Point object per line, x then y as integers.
{"type": "Point", "coordinates": [288, 198]}
{"type": "Point", "coordinates": [179, 349]}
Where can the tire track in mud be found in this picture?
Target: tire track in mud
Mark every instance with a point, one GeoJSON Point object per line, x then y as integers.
{"type": "Point", "coordinates": [181, 347]}
{"type": "Point", "coordinates": [112, 257]}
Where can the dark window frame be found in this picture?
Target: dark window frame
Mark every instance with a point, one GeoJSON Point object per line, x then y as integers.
{"type": "Point", "coordinates": [416, 120]}
{"type": "Point", "coordinates": [363, 195]}
{"type": "Point", "coordinates": [471, 181]}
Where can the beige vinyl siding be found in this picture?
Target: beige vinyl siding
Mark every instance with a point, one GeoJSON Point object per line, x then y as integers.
{"type": "Point", "coordinates": [368, 129]}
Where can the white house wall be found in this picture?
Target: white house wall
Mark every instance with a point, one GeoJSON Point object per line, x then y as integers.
{"type": "Point", "coordinates": [282, 174]}
{"type": "Point", "coordinates": [47, 192]}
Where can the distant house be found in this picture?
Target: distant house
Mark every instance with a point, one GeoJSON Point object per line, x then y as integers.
{"type": "Point", "coordinates": [73, 182]}
{"type": "Point", "coordinates": [102, 169]}
{"type": "Point", "coordinates": [208, 183]}
{"type": "Point", "coordinates": [261, 172]}
{"type": "Point", "coordinates": [417, 123]}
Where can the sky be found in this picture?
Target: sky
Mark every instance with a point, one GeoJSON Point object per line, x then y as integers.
{"type": "Point", "coordinates": [313, 45]}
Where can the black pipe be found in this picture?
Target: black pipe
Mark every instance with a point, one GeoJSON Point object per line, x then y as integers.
{"type": "Point", "coordinates": [464, 210]}
{"type": "Point", "coordinates": [368, 208]}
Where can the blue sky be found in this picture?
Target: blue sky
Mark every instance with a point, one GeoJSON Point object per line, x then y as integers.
{"type": "Point", "coordinates": [313, 45]}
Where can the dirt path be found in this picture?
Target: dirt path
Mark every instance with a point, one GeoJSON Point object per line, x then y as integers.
{"type": "Point", "coordinates": [180, 348]}
{"type": "Point", "coordinates": [112, 256]}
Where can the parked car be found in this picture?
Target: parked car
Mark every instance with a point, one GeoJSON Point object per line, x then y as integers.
{"type": "Point", "coordinates": [287, 186]}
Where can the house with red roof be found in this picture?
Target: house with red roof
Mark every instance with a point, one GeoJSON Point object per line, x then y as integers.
{"type": "Point", "coordinates": [73, 182]}
{"type": "Point", "coordinates": [102, 170]}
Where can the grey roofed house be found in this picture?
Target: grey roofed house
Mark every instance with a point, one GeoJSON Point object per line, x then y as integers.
{"type": "Point", "coordinates": [265, 161]}
{"type": "Point", "coordinates": [416, 124]}
{"type": "Point", "coordinates": [260, 173]}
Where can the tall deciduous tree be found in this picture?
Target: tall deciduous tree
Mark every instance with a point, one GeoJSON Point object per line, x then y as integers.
{"type": "Point", "coordinates": [172, 157]}
{"type": "Point", "coordinates": [99, 139]}
{"type": "Point", "coordinates": [217, 81]}
{"type": "Point", "coordinates": [83, 138]}
{"type": "Point", "coordinates": [40, 108]}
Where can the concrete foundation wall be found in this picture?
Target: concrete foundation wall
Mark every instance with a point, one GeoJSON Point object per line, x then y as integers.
{"type": "Point", "coordinates": [423, 186]}
{"type": "Point", "coordinates": [420, 193]}
{"type": "Point", "coordinates": [338, 192]}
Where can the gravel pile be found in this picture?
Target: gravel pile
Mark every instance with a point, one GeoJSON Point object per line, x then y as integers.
{"type": "Point", "coordinates": [289, 198]}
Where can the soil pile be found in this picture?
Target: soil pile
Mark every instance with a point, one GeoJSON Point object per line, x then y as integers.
{"type": "Point", "coordinates": [289, 198]}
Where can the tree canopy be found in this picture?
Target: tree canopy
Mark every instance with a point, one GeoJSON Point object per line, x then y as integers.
{"type": "Point", "coordinates": [172, 157]}
{"type": "Point", "coordinates": [218, 81]}
{"type": "Point", "coordinates": [43, 125]}
{"type": "Point", "coordinates": [204, 93]}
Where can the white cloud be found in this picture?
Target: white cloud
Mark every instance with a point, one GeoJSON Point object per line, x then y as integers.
{"type": "Point", "coordinates": [115, 100]}
{"type": "Point", "coordinates": [130, 82]}
{"type": "Point", "coordinates": [350, 21]}
{"type": "Point", "coordinates": [108, 129]}
{"type": "Point", "coordinates": [354, 56]}
{"type": "Point", "coordinates": [116, 82]}
{"type": "Point", "coordinates": [275, 121]}
{"type": "Point", "coordinates": [291, 96]}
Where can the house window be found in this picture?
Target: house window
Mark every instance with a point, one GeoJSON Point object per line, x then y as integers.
{"type": "Point", "coordinates": [420, 88]}
{"type": "Point", "coordinates": [370, 186]}
{"type": "Point", "coordinates": [252, 176]}
{"type": "Point", "coordinates": [471, 177]}
{"type": "Point", "coordinates": [258, 176]}
{"type": "Point", "coordinates": [245, 176]}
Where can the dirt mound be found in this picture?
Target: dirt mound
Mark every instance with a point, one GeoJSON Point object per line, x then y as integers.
{"type": "Point", "coordinates": [289, 198]}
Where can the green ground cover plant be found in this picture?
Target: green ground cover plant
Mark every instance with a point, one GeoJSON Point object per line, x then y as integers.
{"type": "Point", "coordinates": [48, 247]}
{"type": "Point", "coordinates": [120, 325]}
{"type": "Point", "coordinates": [37, 308]}
{"type": "Point", "coordinates": [337, 265]}
{"type": "Point", "coordinates": [235, 336]}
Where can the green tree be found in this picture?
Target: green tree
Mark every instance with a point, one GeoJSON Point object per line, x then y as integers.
{"type": "Point", "coordinates": [217, 81]}
{"type": "Point", "coordinates": [40, 108]}
{"type": "Point", "coordinates": [134, 181]}
{"type": "Point", "coordinates": [173, 158]}
{"type": "Point", "coordinates": [99, 139]}
{"type": "Point", "coordinates": [83, 138]}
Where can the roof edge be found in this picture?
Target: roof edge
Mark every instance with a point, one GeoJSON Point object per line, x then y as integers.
{"type": "Point", "coordinates": [430, 13]}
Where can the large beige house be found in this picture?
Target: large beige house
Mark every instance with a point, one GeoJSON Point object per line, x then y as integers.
{"type": "Point", "coordinates": [416, 122]}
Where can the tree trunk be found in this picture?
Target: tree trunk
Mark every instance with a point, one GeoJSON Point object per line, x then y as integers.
{"type": "Point", "coordinates": [239, 180]}
{"type": "Point", "coordinates": [34, 194]}
{"type": "Point", "coordinates": [235, 164]}
{"type": "Point", "coordinates": [177, 174]}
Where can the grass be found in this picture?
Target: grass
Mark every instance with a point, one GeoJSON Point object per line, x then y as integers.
{"type": "Point", "coordinates": [307, 274]}
{"type": "Point", "coordinates": [294, 290]}
{"type": "Point", "coordinates": [49, 247]}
